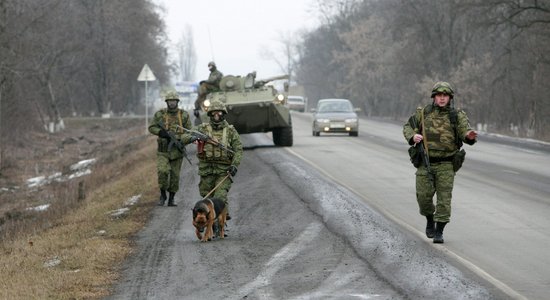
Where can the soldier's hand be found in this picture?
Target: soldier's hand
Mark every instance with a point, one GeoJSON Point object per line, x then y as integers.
{"type": "Point", "coordinates": [471, 135]}
{"type": "Point", "coordinates": [164, 134]}
{"type": "Point", "coordinates": [417, 138]}
{"type": "Point", "coordinates": [193, 139]}
{"type": "Point", "coordinates": [232, 170]}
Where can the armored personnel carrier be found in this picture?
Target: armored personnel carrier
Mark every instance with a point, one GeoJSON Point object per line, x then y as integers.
{"type": "Point", "coordinates": [254, 106]}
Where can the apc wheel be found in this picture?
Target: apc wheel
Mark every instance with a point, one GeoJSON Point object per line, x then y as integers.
{"type": "Point", "coordinates": [354, 133]}
{"type": "Point", "coordinates": [282, 136]}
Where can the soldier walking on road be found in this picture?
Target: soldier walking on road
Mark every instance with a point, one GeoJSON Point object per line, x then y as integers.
{"type": "Point", "coordinates": [170, 142]}
{"type": "Point", "coordinates": [212, 84]}
{"type": "Point", "coordinates": [440, 129]}
{"type": "Point", "coordinates": [220, 155]}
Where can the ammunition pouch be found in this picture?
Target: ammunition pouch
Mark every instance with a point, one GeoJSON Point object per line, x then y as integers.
{"type": "Point", "coordinates": [414, 155]}
{"type": "Point", "coordinates": [458, 160]}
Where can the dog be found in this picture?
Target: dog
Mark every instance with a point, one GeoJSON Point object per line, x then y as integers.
{"type": "Point", "coordinates": [205, 213]}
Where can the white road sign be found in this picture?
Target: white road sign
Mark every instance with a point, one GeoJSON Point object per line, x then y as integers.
{"type": "Point", "coordinates": [146, 74]}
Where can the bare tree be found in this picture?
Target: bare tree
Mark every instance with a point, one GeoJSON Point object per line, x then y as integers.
{"type": "Point", "coordinates": [187, 55]}
{"type": "Point", "coordinates": [286, 55]}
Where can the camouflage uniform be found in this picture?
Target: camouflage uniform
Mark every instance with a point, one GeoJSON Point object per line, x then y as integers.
{"type": "Point", "coordinates": [442, 146]}
{"type": "Point", "coordinates": [212, 84]}
{"type": "Point", "coordinates": [169, 160]}
{"type": "Point", "coordinates": [214, 162]}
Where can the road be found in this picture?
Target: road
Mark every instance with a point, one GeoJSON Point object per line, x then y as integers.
{"type": "Point", "coordinates": [501, 202]}
{"type": "Point", "coordinates": [334, 217]}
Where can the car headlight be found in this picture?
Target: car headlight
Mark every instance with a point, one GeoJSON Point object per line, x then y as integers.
{"type": "Point", "coordinates": [353, 120]}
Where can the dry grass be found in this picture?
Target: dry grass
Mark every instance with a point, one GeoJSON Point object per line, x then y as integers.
{"type": "Point", "coordinates": [89, 243]}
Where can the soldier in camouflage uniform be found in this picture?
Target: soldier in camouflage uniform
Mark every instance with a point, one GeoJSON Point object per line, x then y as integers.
{"type": "Point", "coordinates": [169, 158]}
{"type": "Point", "coordinates": [214, 162]}
{"type": "Point", "coordinates": [442, 140]}
{"type": "Point", "coordinates": [212, 84]}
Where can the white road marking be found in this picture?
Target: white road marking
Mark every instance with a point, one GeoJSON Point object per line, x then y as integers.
{"type": "Point", "coordinates": [277, 261]}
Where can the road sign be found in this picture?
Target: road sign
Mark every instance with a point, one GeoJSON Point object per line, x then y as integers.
{"type": "Point", "coordinates": [146, 74]}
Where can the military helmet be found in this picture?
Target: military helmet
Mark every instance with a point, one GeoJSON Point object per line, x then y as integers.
{"type": "Point", "coordinates": [213, 64]}
{"type": "Point", "coordinates": [216, 105]}
{"type": "Point", "coordinates": [443, 87]}
{"type": "Point", "coordinates": [171, 95]}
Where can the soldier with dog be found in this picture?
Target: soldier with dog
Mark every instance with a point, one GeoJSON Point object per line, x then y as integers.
{"type": "Point", "coordinates": [219, 150]}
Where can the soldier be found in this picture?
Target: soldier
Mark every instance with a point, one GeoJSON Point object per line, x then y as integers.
{"type": "Point", "coordinates": [441, 129]}
{"type": "Point", "coordinates": [212, 84]}
{"type": "Point", "coordinates": [169, 158]}
{"type": "Point", "coordinates": [215, 163]}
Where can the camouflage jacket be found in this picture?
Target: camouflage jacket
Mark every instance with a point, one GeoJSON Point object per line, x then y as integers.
{"type": "Point", "coordinates": [214, 78]}
{"type": "Point", "coordinates": [439, 131]}
{"type": "Point", "coordinates": [171, 119]}
{"type": "Point", "coordinates": [213, 160]}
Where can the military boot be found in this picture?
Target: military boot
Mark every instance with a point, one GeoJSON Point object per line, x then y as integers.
{"type": "Point", "coordinates": [438, 237]}
{"type": "Point", "coordinates": [430, 226]}
{"type": "Point", "coordinates": [171, 199]}
{"type": "Point", "coordinates": [162, 197]}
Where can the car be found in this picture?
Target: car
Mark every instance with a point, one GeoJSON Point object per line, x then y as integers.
{"type": "Point", "coordinates": [297, 103]}
{"type": "Point", "coordinates": [335, 115]}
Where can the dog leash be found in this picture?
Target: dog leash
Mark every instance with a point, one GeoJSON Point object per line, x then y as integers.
{"type": "Point", "coordinates": [217, 186]}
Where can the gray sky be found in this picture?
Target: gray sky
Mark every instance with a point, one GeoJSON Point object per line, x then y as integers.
{"type": "Point", "coordinates": [233, 32]}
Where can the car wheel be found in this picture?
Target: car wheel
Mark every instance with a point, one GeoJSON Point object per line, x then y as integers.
{"type": "Point", "coordinates": [354, 133]}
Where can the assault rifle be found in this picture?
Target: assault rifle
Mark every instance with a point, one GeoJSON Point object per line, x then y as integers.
{"type": "Point", "coordinates": [175, 142]}
{"type": "Point", "coordinates": [424, 154]}
{"type": "Point", "coordinates": [207, 139]}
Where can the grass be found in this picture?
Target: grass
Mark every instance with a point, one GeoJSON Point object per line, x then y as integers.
{"type": "Point", "coordinates": [87, 241]}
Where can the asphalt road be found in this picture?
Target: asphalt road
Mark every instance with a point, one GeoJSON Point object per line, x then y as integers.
{"type": "Point", "coordinates": [334, 217]}
{"type": "Point", "coordinates": [501, 202]}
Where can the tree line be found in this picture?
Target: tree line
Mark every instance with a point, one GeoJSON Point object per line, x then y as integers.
{"type": "Point", "coordinates": [385, 55]}
{"type": "Point", "coordinates": [74, 57]}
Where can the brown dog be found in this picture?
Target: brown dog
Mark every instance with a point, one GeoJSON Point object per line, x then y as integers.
{"type": "Point", "coordinates": [205, 213]}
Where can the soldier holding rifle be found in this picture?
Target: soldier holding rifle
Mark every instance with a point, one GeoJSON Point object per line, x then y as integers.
{"type": "Point", "coordinates": [437, 131]}
{"type": "Point", "coordinates": [219, 150]}
{"type": "Point", "coordinates": [171, 146]}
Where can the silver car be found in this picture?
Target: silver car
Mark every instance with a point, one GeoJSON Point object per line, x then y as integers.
{"type": "Point", "coordinates": [297, 103]}
{"type": "Point", "coordinates": [335, 115]}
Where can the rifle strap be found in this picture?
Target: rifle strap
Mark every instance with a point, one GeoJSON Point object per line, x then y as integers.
{"type": "Point", "coordinates": [180, 120]}
{"type": "Point", "coordinates": [425, 139]}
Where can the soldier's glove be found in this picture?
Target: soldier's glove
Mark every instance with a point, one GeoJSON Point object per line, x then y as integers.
{"type": "Point", "coordinates": [164, 134]}
{"type": "Point", "coordinates": [196, 113]}
{"type": "Point", "coordinates": [232, 170]}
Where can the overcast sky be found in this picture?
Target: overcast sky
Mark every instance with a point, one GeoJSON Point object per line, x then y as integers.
{"type": "Point", "coordinates": [233, 32]}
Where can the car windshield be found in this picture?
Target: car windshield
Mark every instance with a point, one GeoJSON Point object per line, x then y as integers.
{"type": "Point", "coordinates": [335, 106]}
{"type": "Point", "coordinates": [295, 100]}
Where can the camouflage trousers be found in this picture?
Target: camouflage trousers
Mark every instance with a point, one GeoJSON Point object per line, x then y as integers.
{"type": "Point", "coordinates": [444, 180]}
{"type": "Point", "coordinates": [168, 172]}
{"type": "Point", "coordinates": [208, 182]}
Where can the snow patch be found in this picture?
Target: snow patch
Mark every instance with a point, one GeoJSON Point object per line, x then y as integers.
{"type": "Point", "coordinates": [39, 207]}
